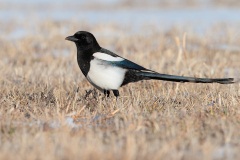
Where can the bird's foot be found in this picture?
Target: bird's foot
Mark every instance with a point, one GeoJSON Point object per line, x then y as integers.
{"type": "Point", "coordinates": [116, 93]}
{"type": "Point", "coordinates": [106, 93]}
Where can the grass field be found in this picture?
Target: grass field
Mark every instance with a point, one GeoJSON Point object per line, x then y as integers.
{"type": "Point", "coordinates": [47, 110]}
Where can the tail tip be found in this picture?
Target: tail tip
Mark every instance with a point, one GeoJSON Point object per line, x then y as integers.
{"type": "Point", "coordinates": [228, 81]}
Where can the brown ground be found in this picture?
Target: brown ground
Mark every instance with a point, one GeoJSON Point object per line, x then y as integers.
{"type": "Point", "coordinates": [47, 113]}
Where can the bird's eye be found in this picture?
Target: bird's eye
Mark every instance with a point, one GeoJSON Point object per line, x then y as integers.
{"type": "Point", "coordinates": [83, 37]}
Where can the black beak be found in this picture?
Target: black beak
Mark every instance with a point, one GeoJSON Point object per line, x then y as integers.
{"type": "Point", "coordinates": [71, 38]}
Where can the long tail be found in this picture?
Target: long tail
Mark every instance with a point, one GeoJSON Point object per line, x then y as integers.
{"type": "Point", "coordinates": [165, 77]}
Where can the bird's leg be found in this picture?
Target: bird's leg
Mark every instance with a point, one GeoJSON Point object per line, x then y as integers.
{"type": "Point", "coordinates": [116, 93]}
{"type": "Point", "coordinates": [106, 93]}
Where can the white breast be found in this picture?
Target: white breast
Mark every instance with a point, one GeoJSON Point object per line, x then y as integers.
{"type": "Point", "coordinates": [105, 75]}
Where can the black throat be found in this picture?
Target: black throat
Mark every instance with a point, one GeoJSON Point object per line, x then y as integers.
{"type": "Point", "coordinates": [84, 56]}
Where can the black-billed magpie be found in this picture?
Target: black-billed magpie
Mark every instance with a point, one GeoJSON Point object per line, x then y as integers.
{"type": "Point", "coordinates": [107, 71]}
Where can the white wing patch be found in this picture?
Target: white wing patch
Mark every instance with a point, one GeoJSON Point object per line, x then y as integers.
{"type": "Point", "coordinates": [106, 57]}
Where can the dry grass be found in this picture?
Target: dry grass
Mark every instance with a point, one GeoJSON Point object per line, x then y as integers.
{"type": "Point", "coordinates": [47, 113]}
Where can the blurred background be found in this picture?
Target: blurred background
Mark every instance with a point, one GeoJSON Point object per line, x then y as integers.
{"type": "Point", "coordinates": [116, 16]}
{"type": "Point", "coordinates": [39, 27]}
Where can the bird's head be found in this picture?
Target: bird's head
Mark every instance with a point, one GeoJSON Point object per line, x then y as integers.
{"type": "Point", "coordinates": [85, 41]}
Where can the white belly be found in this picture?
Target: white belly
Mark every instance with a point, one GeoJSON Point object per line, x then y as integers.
{"type": "Point", "coordinates": [105, 76]}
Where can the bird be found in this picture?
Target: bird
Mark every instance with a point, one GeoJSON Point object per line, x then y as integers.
{"type": "Point", "coordinates": [108, 71]}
